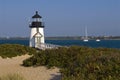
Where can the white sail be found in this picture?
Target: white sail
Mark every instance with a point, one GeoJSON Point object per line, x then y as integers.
{"type": "Point", "coordinates": [86, 35]}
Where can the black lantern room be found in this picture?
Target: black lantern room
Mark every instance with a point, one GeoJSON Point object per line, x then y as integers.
{"type": "Point", "coordinates": [36, 21]}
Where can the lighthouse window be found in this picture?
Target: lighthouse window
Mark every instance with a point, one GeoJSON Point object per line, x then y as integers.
{"type": "Point", "coordinates": [36, 19]}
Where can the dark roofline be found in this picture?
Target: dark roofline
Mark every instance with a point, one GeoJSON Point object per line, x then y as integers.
{"type": "Point", "coordinates": [36, 15]}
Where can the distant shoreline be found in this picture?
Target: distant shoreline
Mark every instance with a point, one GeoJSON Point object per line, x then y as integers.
{"type": "Point", "coordinates": [66, 38]}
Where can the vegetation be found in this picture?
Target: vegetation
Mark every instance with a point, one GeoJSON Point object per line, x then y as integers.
{"type": "Point", "coordinates": [75, 63]}
{"type": "Point", "coordinates": [80, 63]}
{"type": "Point", "coordinates": [12, 50]}
{"type": "Point", "coordinates": [12, 77]}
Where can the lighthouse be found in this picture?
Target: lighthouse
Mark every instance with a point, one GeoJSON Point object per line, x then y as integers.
{"type": "Point", "coordinates": [37, 31]}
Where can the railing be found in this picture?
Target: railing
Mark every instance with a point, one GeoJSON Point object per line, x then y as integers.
{"type": "Point", "coordinates": [44, 46]}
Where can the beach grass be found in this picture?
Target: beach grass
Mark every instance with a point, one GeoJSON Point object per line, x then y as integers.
{"type": "Point", "coordinates": [12, 77]}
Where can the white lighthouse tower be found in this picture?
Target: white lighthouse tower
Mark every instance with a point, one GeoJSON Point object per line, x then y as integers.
{"type": "Point", "coordinates": [37, 31]}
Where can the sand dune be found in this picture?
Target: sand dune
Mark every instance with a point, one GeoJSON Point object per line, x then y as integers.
{"type": "Point", "coordinates": [11, 66]}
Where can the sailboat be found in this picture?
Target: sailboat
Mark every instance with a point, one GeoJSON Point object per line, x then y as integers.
{"type": "Point", "coordinates": [97, 40]}
{"type": "Point", "coordinates": [86, 37]}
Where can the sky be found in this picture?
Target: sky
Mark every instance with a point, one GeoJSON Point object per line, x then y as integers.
{"type": "Point", "coordinates": [61, 17]}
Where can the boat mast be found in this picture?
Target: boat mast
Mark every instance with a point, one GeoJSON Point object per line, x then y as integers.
{"type": "Point", "coordinates": [86, 33]}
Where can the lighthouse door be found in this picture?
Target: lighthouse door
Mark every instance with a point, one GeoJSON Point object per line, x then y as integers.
{"type": "Point", "coordinates": [37, 39]}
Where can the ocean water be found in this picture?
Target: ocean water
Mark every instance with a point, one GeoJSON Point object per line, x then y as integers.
{"type": "Point", "coordinates": [90, 43]}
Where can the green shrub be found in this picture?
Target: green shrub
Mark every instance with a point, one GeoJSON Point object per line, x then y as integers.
{"type": "Point", "coordinates": [80, 63]}
{"type": "Point", "coordinates": [12, 50]}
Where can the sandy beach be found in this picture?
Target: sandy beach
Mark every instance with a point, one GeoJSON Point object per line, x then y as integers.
{"type": "Point", "coordinates": [13, 65]}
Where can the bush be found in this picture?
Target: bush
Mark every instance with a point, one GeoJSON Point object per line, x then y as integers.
{"type": "Point", "coordinates": [12, 50]}
{"type": "Point", "coordinates": [80, 63]}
